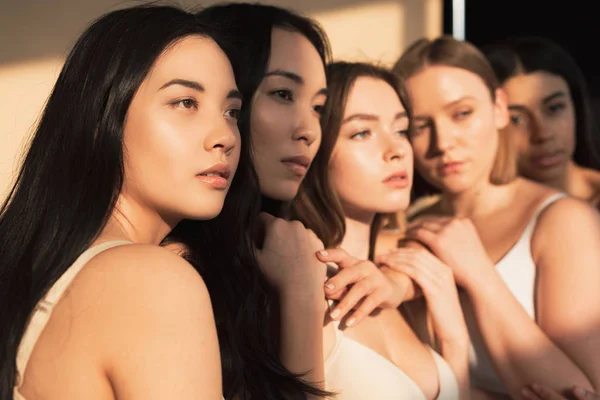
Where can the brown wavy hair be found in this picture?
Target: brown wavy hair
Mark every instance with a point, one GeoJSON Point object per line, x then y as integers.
{"type": "Point", "coordinates": [340, 80]}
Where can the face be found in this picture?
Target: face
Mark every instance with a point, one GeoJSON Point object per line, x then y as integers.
{"type": "Point", "coordinates": [542, 123]}
{"type": "Point", "coordinates": [181, 142]}
{"type": "Point", "coordinates": [456, 127]}
{"type": "Point", "coordinates": [371, 164]}
{"type": "Point", "coordinates": [285, 127]}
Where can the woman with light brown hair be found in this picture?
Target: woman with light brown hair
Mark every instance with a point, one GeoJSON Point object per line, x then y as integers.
{"type": "Point", "coordinates": [377, 355]}
{"type": "Point", "coordinates": [529, 274]}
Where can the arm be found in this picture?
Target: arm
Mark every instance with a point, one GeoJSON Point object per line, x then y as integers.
{"type": "Point", "coordinates": [436, 281]}
{"type": "Point", "coordinates": [153, 316]}
{"type": "Point", "coordinates": [560, 351]}
{"type": "Point", "coordinates": [301, 334]}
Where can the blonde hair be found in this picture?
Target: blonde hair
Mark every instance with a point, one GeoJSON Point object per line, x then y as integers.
{"type": "Point", "coordinates": [448, 51]}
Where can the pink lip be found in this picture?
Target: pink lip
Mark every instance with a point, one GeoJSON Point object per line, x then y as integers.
{"type": "Point", "coordinates": [298, 164]}
{"type": "Point", "coordinates": [217, 176]}
{"type": "Point", "coordinates": [397, 180]}
{"type": "Point", "coordinates": [547, 160]}
{"type": "Point", "coordinates": [451, 167]}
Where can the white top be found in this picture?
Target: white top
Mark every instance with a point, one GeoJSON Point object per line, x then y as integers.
{"type": "Point", "coordinates": [518, 271]}
{"type": "Point", "coordinates": [356, 372]}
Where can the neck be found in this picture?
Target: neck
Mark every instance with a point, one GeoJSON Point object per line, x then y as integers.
{"type": "Point", "coordinates": [475, 201]}
{"type": "Point", "coordinates": [562, 181]}
{"type": "Point", "coordinates": [358, 229]}
{"type": "Point", "coordinates": [133, 222]}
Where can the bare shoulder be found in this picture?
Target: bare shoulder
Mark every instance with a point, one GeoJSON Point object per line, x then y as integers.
{"type": "Point", "coordinates": [140, 316]}
{"type": "Point", "coordinates": [567, 222]}
{"type": "Point", "coordinates": [136, 279]}
{"type": "Point", "coordinates": [148, 263]}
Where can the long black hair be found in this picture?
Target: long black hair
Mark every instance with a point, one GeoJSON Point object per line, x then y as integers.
{"type": "Point", "coordinates": [241, 296]}
{"type": "Point", "coordinates": [72, 173]}
{"type": "Point", "coordinates": [524, 55]}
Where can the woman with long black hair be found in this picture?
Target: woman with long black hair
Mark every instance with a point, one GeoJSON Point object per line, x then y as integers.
{"type": "Point", "coordinates": [139, 133]}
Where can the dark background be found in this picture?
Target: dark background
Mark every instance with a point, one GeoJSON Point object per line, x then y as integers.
{"type": "Point", "coordinates": [573, 24]}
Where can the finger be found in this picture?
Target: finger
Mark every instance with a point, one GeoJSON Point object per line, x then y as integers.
{"type": "Point", "coordinates": [583, 394]}
{"type": "Point", "coordinates": [430, 218]}
{"type": "Point", "coordinates": [545, 393]}
{"type": "Point", "coordinates": [344, 278]}
{"type": "Point", "coordinates": [415, 259]}
{"type": "Point", "coordinates": [354, 295]}
{"type": "Point", "coordinates": [528, 393]}
{"type": "Point", "coordinates": [409, 243]}
{"type": "Point", "coordinates": [424, 236]}
{"type": "Point", "coordinates": [367, 306]}
{"type": "Point", "coordinates": [425, 282]}
{"type": "Point", "coordinates": [337, 295]}
{"type": "Point", "coordinates": [338, 256]}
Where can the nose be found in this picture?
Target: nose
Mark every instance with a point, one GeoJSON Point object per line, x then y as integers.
{"type": "Point", "coordinates": [223, 137]}
{"type": "Point", "coordinates": [445, 135]}
{"type": "Point", "coordinates": [540, 131]}
{"type": "Point", "coordinates": [395, 147]}
{"type": "Point", "coordinates": [307, 127]}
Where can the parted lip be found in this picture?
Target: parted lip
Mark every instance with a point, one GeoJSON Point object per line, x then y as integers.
{"type": "Point", "coordinates": [402, 174]}
{"type": "Point", "coordinates": [220, 169]}
{"type": "Point", "coordinates": [301, 160]}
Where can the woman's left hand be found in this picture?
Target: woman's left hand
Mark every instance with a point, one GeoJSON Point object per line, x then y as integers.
{"type": "Point", "coordinates": [539, 392]}
{"type": "Point", "coordinates": [455, 242]}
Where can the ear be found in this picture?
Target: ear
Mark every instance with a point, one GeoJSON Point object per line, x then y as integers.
{"type": "Point", "coordinates": [501, 109]}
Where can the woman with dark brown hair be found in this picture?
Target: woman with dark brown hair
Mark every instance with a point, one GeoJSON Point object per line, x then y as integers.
{"type": "Point", "coordinates": [530, 277]}
{"type": "Point", "coordinates": [366, 121]}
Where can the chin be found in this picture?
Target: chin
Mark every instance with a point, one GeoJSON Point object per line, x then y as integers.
{"type": "Point", "coordinates": [395, 207]}
{"type": "Point", "coordinates": [281, 191]}
{"type": "Point", "coordinates": [205, 212]}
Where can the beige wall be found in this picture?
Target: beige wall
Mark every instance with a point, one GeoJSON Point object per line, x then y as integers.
{"type": "Point", "coordinates": [35, 35]}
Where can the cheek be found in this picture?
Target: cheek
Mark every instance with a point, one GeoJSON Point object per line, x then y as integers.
{"type": "Point", "coordinates": [566, 129]}
{"type": "Point", "coordinates": [268, 126]}
{"type": "Point", "coordinates": [352, 173]}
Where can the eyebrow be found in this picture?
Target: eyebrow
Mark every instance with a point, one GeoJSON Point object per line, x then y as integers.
{"type": "Point", "coordinates": [517, 107]}
{"type": "Point", "coordinates": [371, 117]}
{"type": "Point", "coordinates": [184, 82]}
{"type": "Point", "coordinates": [233, 93]}
{"type": "Point", "coordinates": [293, 77]}
{"type": "Point", "coordinates": [546, 100]}
{"type": "Point", "coordinates": [553, 96]}
{"type": "Point", "coordinates": [453, 103]}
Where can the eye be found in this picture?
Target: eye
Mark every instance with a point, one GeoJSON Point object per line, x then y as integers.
{"type": "Point", "coordinates": [283, 94]}
{"type": "Point", "coordinates": [361, 135]}
{"type": "Point", "coordinates": [460, 115]}
{"type": "Point", "coordinates": [402, 132]}
{"type": "Point", "coordinates": [556, 108]}
{"type": "Point", "coordinates": [518, 120]}
{"type": "Point", "coordinates": [233, 113]}
{"type": "Point", "coordinates": [420, 128]}
{"type": "Point", "coordinates": [188, 104]}
{"type": "Point", "coordinates": [319, 109]}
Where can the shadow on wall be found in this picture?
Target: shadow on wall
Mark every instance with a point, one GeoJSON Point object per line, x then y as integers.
{"type": "Point", "coordinates": [33, 29]}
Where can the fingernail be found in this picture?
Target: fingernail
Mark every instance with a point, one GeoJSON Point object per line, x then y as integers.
{"type": "Point", "coordinates": [329, 286]}
{"type": "Point", "coordinates": [335, 313]}
{"type": "Point", "coordinates": [527, 393]}
{"type": "Point", "coordinates": [323, 252]}
{"type": "Point", "coordinates": [536, 387]}
{"type": "Point", "coordinates": [351, 321]}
